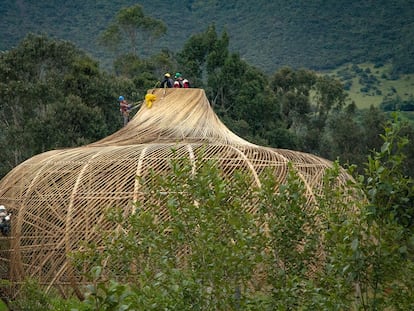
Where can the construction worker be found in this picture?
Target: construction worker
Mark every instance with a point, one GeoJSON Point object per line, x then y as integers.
{"type": "Point", "coordinates": [178, 83]}
{"type": "Point", "coordinates": [124, 108]}
{"type": "Point", "coordinates": [186, 84]}
{"type": "Point", "coordinates": [167, 81]}
{"type": "Point", "coordinates": [4, 221]}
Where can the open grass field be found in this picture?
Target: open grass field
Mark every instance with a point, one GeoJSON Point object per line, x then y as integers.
{"type": "Point", "coordinates": [369, 85]}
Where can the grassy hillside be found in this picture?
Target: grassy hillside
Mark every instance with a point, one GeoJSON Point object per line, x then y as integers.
{"type": "Point", "coordinates": [367, 84]}
{"type": "Point", "coordinates": [269, 34]}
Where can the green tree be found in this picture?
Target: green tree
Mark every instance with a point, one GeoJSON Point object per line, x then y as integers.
{"type": "Point", "coordinates": [131, 25]}
{"type": "Point", "coordinates": [238, 92]}
{"type": "Point", "coordinates": [144, 73]}
{"type": "Point", "coordinates": [202, 55]}
{"type": "Point", "coordinates": [364, 248]}
{"type": "Point", "coordinates": [67, 123]}
{"type": "Point", "coordinates": [388, 188]}
{"type": "Point", "coordinates": [343, 137]}
{"type": "Point", "coordinates": [306, 101]}
{"type": "Point", "coordinates": [293, 87]}
{"type": "Point", "coordinates": [50, 88]}
{"type": "Point", "coordinates": [246, 96]}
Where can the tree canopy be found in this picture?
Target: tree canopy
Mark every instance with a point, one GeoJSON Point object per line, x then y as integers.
{"type": "Point", "coordinates": [272, 34]}
{"type": "Point", "coordinates": [52, 95]}
{"type": "Point", "coordinates": [131, 25]}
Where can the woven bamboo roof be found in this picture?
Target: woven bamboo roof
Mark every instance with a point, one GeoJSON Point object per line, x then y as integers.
{"type": "Point", "coordinates": [58, 197]}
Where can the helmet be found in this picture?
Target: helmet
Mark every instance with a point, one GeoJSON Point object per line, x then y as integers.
{"type": "Point", "coordinates": [177, 75]}
{"type": "Point", "coordinates": [167, 75]}
{"type": "Point", "coordinates": [121, 98]}
{"type": "Point", "coordinates": [2, 207]}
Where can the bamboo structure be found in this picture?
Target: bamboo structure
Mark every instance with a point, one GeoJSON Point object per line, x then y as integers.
{"type": "Point", "coordinates": [57, 198]}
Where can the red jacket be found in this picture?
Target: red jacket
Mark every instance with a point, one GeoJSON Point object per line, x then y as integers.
{"type": "Point", "coordinates": [124, 106]}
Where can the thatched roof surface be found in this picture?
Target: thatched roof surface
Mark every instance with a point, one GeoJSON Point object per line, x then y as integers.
{"type": "Point", "coordinates": [177, 115]}
{"type": "Point", "coordinates": [58, 197]}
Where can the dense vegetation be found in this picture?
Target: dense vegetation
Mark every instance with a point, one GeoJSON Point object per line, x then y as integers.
{"type": "Point", "coordinates": [54, 95]}
{"type": "Point", "coordinates": [341, 254]}
{"type": "Point", "coordinates": [267, 34]}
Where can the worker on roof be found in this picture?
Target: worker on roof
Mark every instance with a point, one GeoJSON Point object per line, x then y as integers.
{"type": "Point", "coordinates": [180, 82]}
{"type": "Point", "coordinates": [4, 221]}
{"type": "Point", "coordinates": [124, 108]}
{"type": "Point", "coordinates": [167, 81]}
{"type": "Point", "coordinates": [186, 84]}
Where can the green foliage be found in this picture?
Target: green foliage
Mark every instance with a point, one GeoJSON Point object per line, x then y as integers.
{"type": "Point", "coordinates": [351, 134]}
{"type": "Point", "coordinates": [32, 297]}
{"type": "Point", "coordinates": [293, 90]}
{"type": "Point", "coordinates": [306, 102]}
{"type": "Point", "coordinates": [388, 189]}
{"type": "Point", "coordinates": [348, 138]}
{"type": "Point", "coordinates": [133, 25]}
{"type": "Point", "coordinates": [228, 245]}
{"type": "Point", "coordinates": [211, 254]}
{"type": "Point", "coordinates": [143, 74]}
{"type": "Point", "coordinates": [52, 95]}
{"type": "Point", "coordinates": [239, 93]}
{"type": "Point", "coordinates": [201, 258]}
{"type": "Point", "coordinates": [271, 34]}
{"type": "Point", "coordinates": [293, 242]}
{"type": "Point", "coordinates": [67, 123]}
{"type": "Point", "coordinates": [364, 248]}
{"type": "Point", "coordinates": [203, 54]}
{"type": "Point", "coordinates": [368, 84]}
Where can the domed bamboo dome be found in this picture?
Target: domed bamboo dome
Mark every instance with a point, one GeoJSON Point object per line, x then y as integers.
{"type": "Point", "coordinates": [58, 197]}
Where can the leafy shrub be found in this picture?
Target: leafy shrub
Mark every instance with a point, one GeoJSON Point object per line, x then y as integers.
{"type": "Point", "coordinates": [211, 254]}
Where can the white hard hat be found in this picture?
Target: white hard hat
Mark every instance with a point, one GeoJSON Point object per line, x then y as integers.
{"type": "Point", "coordinates": [2, 207]}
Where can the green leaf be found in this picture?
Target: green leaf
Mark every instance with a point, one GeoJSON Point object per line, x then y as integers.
{"type": "Point", "coordinates": [385, 147]}
{"type": "Point", "coordinates": [355, 244]}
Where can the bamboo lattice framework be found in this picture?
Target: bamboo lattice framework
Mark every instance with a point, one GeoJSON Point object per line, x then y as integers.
{"type": "Point", "coordinates": [57, 198]}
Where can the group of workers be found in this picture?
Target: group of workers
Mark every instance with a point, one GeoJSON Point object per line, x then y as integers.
{"type": "Point", "coordinates": [167, 82]}
{"type": "Point", "coordinates": [179, 81]}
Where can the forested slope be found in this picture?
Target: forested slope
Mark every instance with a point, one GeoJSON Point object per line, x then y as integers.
{"type": "Point", "coordinates": [268, 34]}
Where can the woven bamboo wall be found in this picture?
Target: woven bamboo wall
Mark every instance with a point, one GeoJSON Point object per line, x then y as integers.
{"type": "Point", "coordinates": [57, 198]}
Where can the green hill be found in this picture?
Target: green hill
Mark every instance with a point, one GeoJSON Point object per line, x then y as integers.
{"type": "Point", "coordinates": [367, 84]}
{"type": "Point", "coordinates": [268, 34]}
